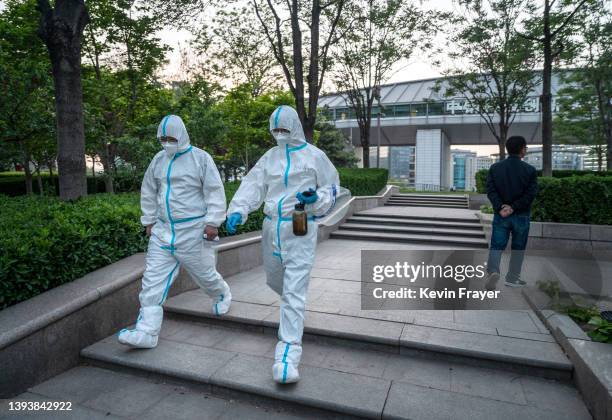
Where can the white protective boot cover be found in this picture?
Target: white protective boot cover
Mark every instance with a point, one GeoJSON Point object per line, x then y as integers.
{"type": "Point", "coordinates": [286, 361]}
{"type": "Point", "coordinates": [222, 303]}
{"type": "Point", "coordinates": [146, 332]}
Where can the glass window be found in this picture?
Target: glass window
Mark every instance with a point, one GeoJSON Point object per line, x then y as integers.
{"type": "Point", "coordinates": [418, 110]}
{"type": "Point", "coordinates": [401, 110]}
{"type": "Point", "coordinates": [435, 108]}
{"type": "Point", "coordinates": [342, 114]}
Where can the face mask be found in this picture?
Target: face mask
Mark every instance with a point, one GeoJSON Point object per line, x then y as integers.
{"type": "Point", "coordinates": [170, 148]}
{"type": "Point", "coordinates": [282, 137]}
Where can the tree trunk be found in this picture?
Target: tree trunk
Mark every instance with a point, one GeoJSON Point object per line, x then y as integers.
{"type": "Point", "coordinates": [501, 141]}
{"type": "Point", "coordinates": [41, 190]}
{"type": "Point", "coordinates": [93, 174]}
{"type": "Point", "coordinates": [547, 96]}
{"type": "Point", "coordinates": [366, 156]}
{"type": "Point", "coordinates": [51, 180]}
{"type": "Point", "coordinates": [28, 178]}
{"type": "Point", "coordinates": [61, 28]}
{"type": "Point", "coordinates": [108, 174]}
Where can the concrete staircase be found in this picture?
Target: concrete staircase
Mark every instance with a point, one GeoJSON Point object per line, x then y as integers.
{"type": "Point", "coordinates": [447, 231]}
{"type": "Point", "coordinates": [429, 200]}
{"type": "Point", "coordinates": [354, 367]}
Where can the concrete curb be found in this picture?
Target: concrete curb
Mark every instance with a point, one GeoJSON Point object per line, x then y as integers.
{"type": "Point", "coordinates": [546, 235]}
{"type": "Point", "coordinates": [592, 361]}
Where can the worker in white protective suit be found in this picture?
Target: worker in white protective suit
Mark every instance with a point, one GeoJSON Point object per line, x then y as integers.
{"type": "Point", "coordinates": [292, 172]}
{"type": "Point", "coordinates": [183, 204]}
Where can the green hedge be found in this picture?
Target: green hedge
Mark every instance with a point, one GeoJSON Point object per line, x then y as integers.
{"type": "Point", "coordinates": [13, 183]}
{"type": "Point", "coordinates": [481, 176]}
{"type": "Point", "coordinates": [363, 181]}
{"type": "Point", "coordinates": [45, 242]}
{"type": "Point", "coordinates": [577, 199]}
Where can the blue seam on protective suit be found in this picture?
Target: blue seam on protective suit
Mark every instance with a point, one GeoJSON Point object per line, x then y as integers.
{"type": "Point", "coordinates": [288, 154]}
{"type": "Point", "coordinates": [164, 125]}
{"type": "Point", "coordinates": [278, 239]}
{"type": "Point", "coordinates": [172, 221]}
{"type": "Point", "coordinates": [189, 219]}
{"type": "Point", "coordinates": [126, 329]}
{"type": "Point", "coordinates": [216, 307]}
{"type": "Point", "coordinates": [300, 147]}
{"type": "Point", "coordinates": [168, 283]}
{"type": "Point", "coordinates": [278, 110]}
{"type": "Point", "coordinates": [285, 362]}
{"type": "Point", "coordinates": [288, 151]}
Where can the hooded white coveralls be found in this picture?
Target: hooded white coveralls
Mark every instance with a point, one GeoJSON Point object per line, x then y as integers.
{"type": "Point", "coordinates": [181, 193]}
{"type": "Point", "coordinates": [291, 167]}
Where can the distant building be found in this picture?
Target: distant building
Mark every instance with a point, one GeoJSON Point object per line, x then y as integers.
{"type": "Point", "coordinates": [564, 157]}
{"type": "Point", "coordinates": [402, 164]}
{"type": "Point", "coordinates": [464, 169]}
{"type": "Point", "coordinates": [484, 162]}
{"type": "Point", "coordinates": [589, 159]}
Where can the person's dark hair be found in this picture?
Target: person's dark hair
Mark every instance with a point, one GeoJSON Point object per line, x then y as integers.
{"type": "Point", "coordinates": [515, 144]}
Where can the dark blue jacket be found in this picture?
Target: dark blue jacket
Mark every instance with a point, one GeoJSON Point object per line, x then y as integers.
{"type": "Point", "coordinates": [512, 182]}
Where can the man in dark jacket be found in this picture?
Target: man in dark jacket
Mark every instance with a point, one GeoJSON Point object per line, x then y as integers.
{"type": "Point", "coordinates": [511, 187]}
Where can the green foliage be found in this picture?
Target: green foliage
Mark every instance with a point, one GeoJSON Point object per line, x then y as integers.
{"type": "Point", "coordinates": [335, 145]}
{"type": "Point", "coordinates": [486, 209]}
{"type": "Point", "coordinates": [481, 176]}
{"type": "Point", "coordinates": [575, 199]}
{"type": "Point", "coordinates": [45, 242]}
{"type": "Point", "coordinates": [496, 71]}
{"type": "Point", "coordinates": [363, 181]}
{"type": "Point", "coordinates": [481, 181]}
{"type": "Point", "coordinates": [602, 330]}
{"type": "Point", "coordinates": [590, 319]}
{"type": "Point", "coordinates": [569, 197]}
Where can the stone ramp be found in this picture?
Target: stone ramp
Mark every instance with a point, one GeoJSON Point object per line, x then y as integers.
{"type": "Point", "coordinates": [337, 378]}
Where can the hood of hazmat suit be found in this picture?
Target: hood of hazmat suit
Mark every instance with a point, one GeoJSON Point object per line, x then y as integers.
{"type": "Point", "coordinates": [291, 167]}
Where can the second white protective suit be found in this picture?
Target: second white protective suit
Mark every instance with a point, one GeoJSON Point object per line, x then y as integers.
{"type": "Point", "coordinates": [181, 193]}
{"type": "Point", "coordinates": [291, 167]}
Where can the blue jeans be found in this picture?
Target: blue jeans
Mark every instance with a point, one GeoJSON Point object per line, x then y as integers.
{"type": "Point", "coordinates": [518, 226]}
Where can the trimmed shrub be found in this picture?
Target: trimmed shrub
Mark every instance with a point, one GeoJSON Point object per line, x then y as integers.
{"type": "Point", "coordinates": [481, 181]}
{"type": "Point", "coordinates": [45, 242]}
{"type": "Point", "coordinates": [576, 199]}
{"type": "Point", "coordinates": [363, 181]}
{"type": "Point", "coordinates": [481, 176]}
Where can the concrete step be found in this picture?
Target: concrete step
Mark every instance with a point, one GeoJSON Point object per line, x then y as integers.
{"type": "Point", "coordinates": [414, 222]}
{"type": "Point", "coordinates": [425, 204]}
{"type": "Point", "coordinates": [473, 220]}
{"type": "Point", "coordinates": [430, 198]}
{"type": "Point", "coordinates": [409, 238]}
{"type": "Point", "coordinates": [362, 227]}
{"type": "Point", "coordinates": [97, 393]}
{"type": "Point", "coordinates": [335, 380]}
{"type": "Point", "coordinates": [441, 196]}
{"type": "Point", "coordinates": [538, 358]}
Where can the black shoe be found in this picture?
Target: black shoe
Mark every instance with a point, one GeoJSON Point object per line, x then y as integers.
{"type": "Point", "coordinates": [518, 283]}
{"type": "Point", "coordinates": [492, 280]}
